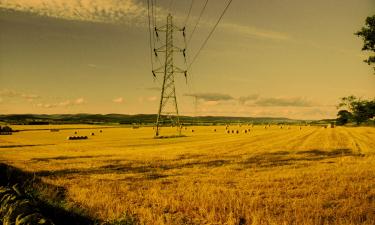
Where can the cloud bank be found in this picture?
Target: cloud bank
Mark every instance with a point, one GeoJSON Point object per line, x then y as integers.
{"type": "Point", "coordinates": [254, 100]}
{"type": "Point", "coordinates": [284, 102]}
{"type": "Point", "coordinates": [7, 93]}
{"type": "Point", "coordinates": [211, 96]}
{"type": "Point", "coordinates": [67, 103]}
{"type": "Point", "coordinates": [112, 11]}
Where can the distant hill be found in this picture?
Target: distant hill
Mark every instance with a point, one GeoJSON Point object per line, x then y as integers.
{"type": "Point", "coordinates": [130, 119]}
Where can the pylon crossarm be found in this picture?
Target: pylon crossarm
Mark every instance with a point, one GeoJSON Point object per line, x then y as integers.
{"type": "Point", "coordinates": [161, 29]}
{"type": "Point", "coordinates": [177, 49]}
{"type": "Point", "coordinates": [178, 28]}
{"type": "Point", "coordinates": [160, 49]}
{"type": "Point", "coordinates": [159, 70]}
{"type": "Point", "coordinates": [178, 70]}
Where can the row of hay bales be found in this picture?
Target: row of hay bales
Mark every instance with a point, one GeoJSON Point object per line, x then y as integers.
{"type": "Point", "coordinates": [80, 137]}
{"type": "Point", "coordinates": [17, 209]}
{"type": "Point", "coordinates": [237, 131]}
{"type": "Point", "coordinates": [77, 137]}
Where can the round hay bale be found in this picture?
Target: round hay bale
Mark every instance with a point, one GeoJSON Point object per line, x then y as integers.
{"type": "Point", "coordinates": [100, 131]}
{"type": "Point", "coordinates": [192, 131]}
{"type": "Point", "coordinates": [237, 132]}
{"type": "Point", "coordinates": [75, 132]}
{"type": "Point", "coordinates": [92, 134]}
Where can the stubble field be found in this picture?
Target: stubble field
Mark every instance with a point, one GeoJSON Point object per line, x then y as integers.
{"type": "Point", "coordinates": [294, 175]}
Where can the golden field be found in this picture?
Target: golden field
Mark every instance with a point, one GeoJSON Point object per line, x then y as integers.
{"type": "Point", "coordinates": [295, 175]}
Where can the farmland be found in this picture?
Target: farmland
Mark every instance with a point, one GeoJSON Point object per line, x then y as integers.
{"type": "Point", "coordinates": [293, 175]}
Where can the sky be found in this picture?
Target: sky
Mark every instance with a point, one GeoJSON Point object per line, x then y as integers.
{"type": "Point", "coordinates": [278, 58]}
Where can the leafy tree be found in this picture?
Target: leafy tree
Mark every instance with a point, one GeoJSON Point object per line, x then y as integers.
{"type": "Point", "coordinates": [6, 129]}
{"type": "Point", "coordinates": [343, 117]}
{"type": "Point", "coordinates": [361, 110]}
{"type": "Point", "coordinates": [367, 33]}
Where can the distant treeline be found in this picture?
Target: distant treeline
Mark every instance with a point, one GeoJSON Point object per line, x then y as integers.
{"type": "Point", "coordinates": [35, 119]}
{"type": "Point", "coordinates": [354, 110]}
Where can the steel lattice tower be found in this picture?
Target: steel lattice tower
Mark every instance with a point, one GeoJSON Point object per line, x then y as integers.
{"type": "Point", "coordinates": [168, 108]}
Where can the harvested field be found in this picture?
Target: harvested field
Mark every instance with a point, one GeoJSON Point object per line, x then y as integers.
{"type": "Point", "coordinates": [311, 175]}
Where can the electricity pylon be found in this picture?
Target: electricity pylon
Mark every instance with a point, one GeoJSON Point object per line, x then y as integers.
{"type": "Point", "coordinates": [168, 108]}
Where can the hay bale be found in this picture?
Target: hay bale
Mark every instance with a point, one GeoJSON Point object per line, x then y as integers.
{"type": "Point", "coordinates": [92, 134]}
{"type": "Point", "coordinates": [237, 132]}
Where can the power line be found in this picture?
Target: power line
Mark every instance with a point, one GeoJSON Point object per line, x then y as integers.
{"type": "Point", "coordinates": [210, 34]}
{"type": "Point", "coordinates": [170, 6]}
{"type": "Point", "coordinates": [188, 15]}
{"type": "Point", "coordinates": [199, 18]}
{"type": "Point", "coordinates": [153, 5]}
{"type": "Point", "coordinates": [149, 32]}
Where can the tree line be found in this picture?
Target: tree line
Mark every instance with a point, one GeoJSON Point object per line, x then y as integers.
{"type": "Point", "coordinates": [355, 110]}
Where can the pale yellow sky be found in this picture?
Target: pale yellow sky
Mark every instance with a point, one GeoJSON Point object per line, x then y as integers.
{"type": "Point", "coordinates": [282, 58]}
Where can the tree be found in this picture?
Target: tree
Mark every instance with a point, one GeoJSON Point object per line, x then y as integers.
{"type": "Point", "coordinates": [6, 129]}
{"type": "Point", "coordinates": [343, 117]}
{"type": "Point", "coordinates": [360, 110]}
{"type": "Point", "coordinates": [367, 33]}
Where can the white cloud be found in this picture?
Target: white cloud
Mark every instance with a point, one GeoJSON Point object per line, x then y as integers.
{"type": "Point", "coordinates": [30, 97]}
{"type": "Point", "coordinates": [118, 100]}
{"type": "Point", "coordinates": [7, 93]}
{"type": "Point", "coordinates": [126, 11]}
{"type": "Point", "coordinates": [91, 65]}
{"type": "Point", "coordinates": [152, 98]}
{"type": "Point", "coordinates": [46, 105]}
{"type": "Point", "coordinates": [66, 103]}
{"type": "Point", "coordinates": [79, 101]}
{"type": "Point", "coordinates": [256, 32]}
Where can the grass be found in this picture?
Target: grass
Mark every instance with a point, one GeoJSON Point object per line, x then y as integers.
{"type": "Point", "coordinates": [311, 175]}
